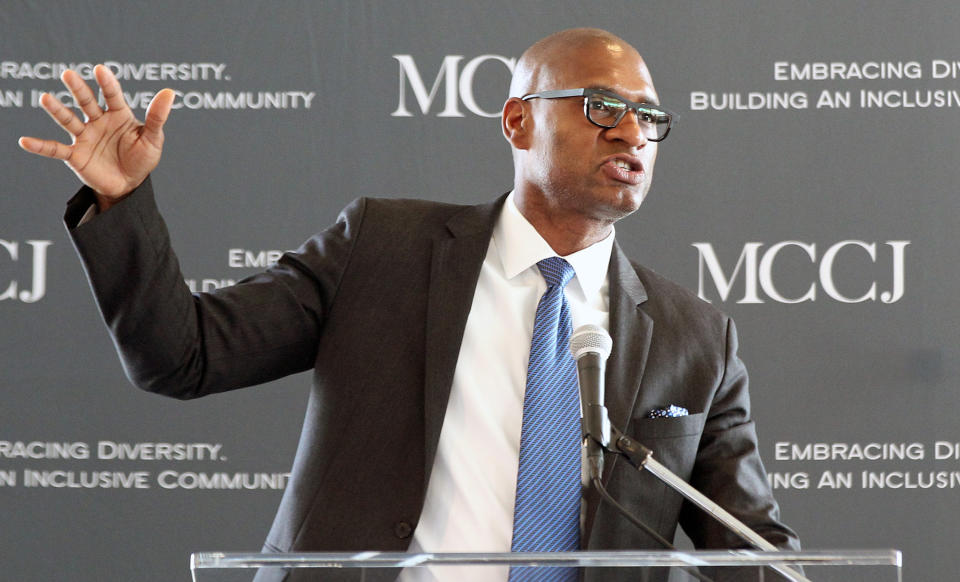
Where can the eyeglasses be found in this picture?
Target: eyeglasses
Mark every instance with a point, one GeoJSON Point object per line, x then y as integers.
{"type": "Point", "coordinates": [606, 109]}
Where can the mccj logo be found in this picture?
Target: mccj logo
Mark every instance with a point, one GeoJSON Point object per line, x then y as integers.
{"type": "Point", "coordinates": [458, 83]}
{"type": "Point", "coordinates": [18, 254]}
{"type": "Point", "coordinates": [757, 269]}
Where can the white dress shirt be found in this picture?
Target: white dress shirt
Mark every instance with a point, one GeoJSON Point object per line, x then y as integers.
{"type": "Point", "coordinates": [472, 488]}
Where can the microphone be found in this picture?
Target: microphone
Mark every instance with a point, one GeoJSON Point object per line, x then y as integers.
{"type": "Point", "coordinates": [590, 346]}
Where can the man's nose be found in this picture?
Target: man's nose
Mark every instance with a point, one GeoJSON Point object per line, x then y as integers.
{"type": "Point", "coordinates": [629, 130]}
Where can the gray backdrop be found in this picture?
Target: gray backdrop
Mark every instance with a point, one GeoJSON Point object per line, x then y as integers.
{"type": "Point", "coordinates": [288, 111]}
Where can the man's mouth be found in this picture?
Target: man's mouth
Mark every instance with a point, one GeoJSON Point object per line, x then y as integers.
{"type": "Point", "coordinates": [626, 169]}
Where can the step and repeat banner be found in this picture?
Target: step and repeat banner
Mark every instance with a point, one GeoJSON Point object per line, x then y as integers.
{"type": "Point", "coordinates": [810, 189]}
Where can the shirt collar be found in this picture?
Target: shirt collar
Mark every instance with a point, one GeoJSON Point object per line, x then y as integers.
{"type": "Point", "coordinates": [521, 247]}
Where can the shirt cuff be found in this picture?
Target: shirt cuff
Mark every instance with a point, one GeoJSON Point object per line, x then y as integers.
{"type": "Point", "coordinates": [88, 215]}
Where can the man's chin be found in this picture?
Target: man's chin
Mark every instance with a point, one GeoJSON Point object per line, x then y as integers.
{"type": "Point", "coordinates": [623, 204]}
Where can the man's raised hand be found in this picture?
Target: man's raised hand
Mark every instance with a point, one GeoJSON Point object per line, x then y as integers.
{"type": "Point", "coordinates": [112, 152]}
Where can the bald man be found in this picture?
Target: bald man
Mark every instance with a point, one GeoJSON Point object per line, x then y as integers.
{"type": "Point", "coordinates": [420, 451]}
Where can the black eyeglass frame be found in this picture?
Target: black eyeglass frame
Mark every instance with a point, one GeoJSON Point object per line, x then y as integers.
{"type": "Point", "coordinates": [631, 106]}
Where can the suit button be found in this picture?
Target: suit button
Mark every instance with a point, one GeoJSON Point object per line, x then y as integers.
{"type": "Point", "coordinates": [402, 529]}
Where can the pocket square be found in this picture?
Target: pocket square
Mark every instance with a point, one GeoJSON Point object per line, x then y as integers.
{"type": "Point", "coordinates": [671, 411]}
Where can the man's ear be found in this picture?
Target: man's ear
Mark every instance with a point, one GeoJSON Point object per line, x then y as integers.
{"type": "Point", "coordinates": [517, 123]}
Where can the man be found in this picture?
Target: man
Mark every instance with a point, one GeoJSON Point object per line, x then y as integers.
{"type": "Point", "coordinates": [412, 436]}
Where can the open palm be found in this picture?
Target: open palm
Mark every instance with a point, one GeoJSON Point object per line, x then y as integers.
{"type": "Point", "coordinates": [112, 152]}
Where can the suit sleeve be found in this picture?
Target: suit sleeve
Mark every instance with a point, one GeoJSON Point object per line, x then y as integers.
{"type": "Point", "coordinates": [187, 345]}
{"type": "Point", "coordinates": [728, 469]}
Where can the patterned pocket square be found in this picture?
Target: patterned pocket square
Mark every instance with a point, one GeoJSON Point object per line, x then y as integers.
{"type": "Point", "coordinates": [671, 411]}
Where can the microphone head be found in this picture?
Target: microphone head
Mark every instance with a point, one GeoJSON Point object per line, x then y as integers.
{"type": "Point", "coordinates": [588, 339]}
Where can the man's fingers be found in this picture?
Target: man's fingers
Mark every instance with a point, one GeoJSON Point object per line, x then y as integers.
{"type": "Point", "coordinates": [46, 148]}
{"type": "Point", "coordinates": [157, 113]}
{"type": "Point", "coordinates": [110, 88]}
{"type": "Point", "coordinates": [62, 115]}
{"type": "Point", "coordinates": [82, 94]}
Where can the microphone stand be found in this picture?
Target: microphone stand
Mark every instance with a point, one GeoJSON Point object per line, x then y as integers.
{"type": "Point", "coordinates": [642, 458]}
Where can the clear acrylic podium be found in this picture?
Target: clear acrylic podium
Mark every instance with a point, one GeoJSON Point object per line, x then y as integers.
{"type": "Point", "coordinates": [639, 566]}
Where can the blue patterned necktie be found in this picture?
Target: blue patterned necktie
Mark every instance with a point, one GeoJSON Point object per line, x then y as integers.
{"type": "Point", "coordinates": [546, 517]}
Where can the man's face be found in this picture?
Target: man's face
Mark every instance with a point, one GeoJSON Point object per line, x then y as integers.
{"type": "Point", "coordinates": [577, 166]}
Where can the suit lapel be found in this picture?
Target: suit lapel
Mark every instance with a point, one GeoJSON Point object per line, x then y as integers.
{"type": "Point", "coordinates": [631, 330]}
{"type": "Point", "coordinates": [455, 267]}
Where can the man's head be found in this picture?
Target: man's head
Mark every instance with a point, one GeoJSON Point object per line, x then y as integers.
{"type": "Point", "coordinates": [567, 168]}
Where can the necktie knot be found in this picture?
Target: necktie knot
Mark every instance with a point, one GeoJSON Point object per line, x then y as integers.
{"type": "Point", "coordinates": [556, 271]}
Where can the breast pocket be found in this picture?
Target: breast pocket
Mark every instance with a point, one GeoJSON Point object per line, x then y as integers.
{"type": "Point", "coordinates": [665, 428]}
{"type": "Point", "coordinates": [674, 441]}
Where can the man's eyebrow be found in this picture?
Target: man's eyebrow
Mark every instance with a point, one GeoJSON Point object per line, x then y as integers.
{"type": "Point", "coordinates": [646, 98]}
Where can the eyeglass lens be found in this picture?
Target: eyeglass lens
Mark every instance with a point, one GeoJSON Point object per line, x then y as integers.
{"type": "Point", "coordinates": [607, 111]}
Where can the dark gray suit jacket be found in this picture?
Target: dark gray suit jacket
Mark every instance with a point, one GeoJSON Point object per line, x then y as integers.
{"type": "Point", "coordinates": [376, 306]}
